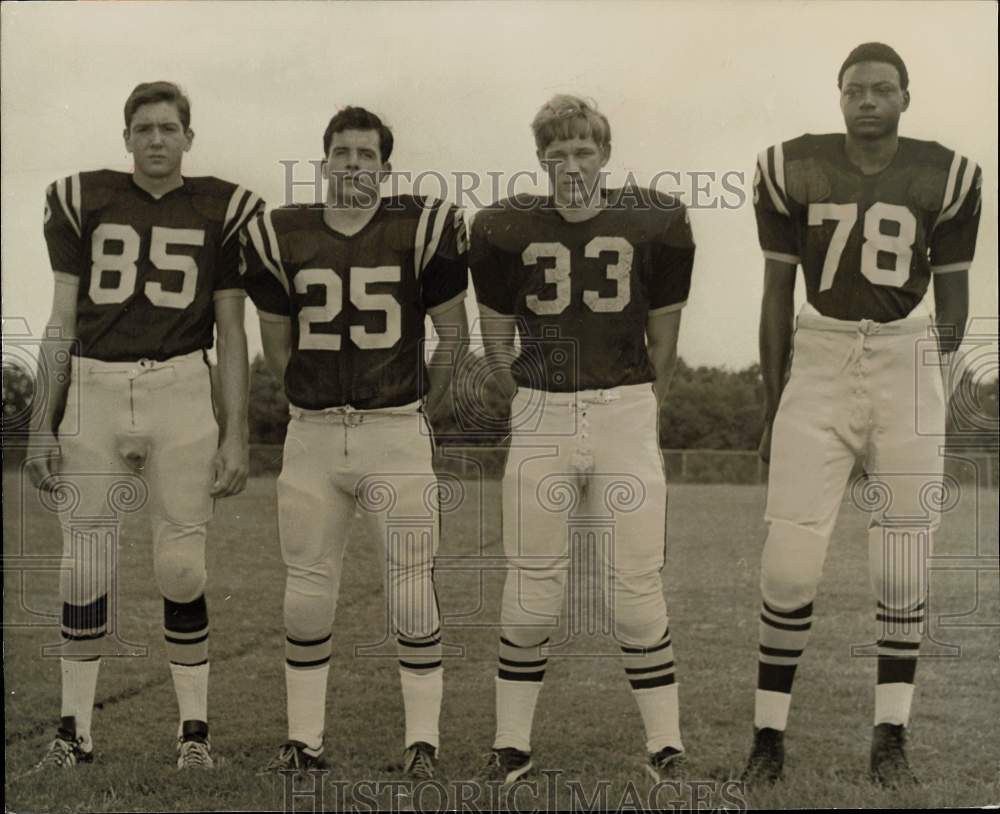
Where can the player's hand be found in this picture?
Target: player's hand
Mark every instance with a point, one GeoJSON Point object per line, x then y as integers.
{"type": "Point", "coordinates": [439, 412]}
{"type": "Point", "coordinates": [42, 460]}
{"type": "Point", "coordinates": [499, 391]}
{"type": "Point", "coordinates": [231, 465]}
{"type": "Point", "coordinates": [764, 448]}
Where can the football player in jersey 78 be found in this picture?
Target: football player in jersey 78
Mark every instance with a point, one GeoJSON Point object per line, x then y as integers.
{"type": "Point", "coordinates": [872, 218]}
{"type": "Point", "coordinates": [145, 267]}
{"type": "Point", "coordinates": [342, 291]}
{"type": "Point", "coordinates": [594, 281]}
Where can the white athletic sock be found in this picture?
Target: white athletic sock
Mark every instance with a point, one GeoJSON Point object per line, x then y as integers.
{"type": "Point", "coordinates": [79, 686]}
{"type": "Point", "coordinates": [516, 702]}
{"type": "Point", "coordinates": [660, 712]}
{"type": "Point", "coordinates": [771, 709]}
{"type": "Point", "coordinates": [191, 687]}
{"type": "Point", "coordinates": [422, 704]}
{"type": "Point", "coordinates": [306, 690]}
{"type": "Point", "coordinates": [892, 703]}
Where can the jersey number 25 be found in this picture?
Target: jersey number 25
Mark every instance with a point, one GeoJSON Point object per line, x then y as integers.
{"type": "Point", "coordinates": [333, 303]}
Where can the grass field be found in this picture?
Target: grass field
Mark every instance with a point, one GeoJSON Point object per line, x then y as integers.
{"type": "Point", "coordinates": [587, 725]}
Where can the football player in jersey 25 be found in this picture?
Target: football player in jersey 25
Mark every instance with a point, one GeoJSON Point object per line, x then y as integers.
{"type": "Point", "coordinates": [594, 281]}
{"type": "Point", "coordinates": [342, 291]}
{"type": "Point", "coordinates": [146, 266]}
{"type": "Point", "coordinates": [872, 218]}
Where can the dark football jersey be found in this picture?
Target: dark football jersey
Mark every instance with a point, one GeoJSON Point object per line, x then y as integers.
{"type": "Point", "coordinates": [148, 268]}
{"type": "Point", "coordinates": [582, 292]}
{"type": "Point", "coordinates": [357, 303]}
{"type": "Point", "coordinates": [868, 244]}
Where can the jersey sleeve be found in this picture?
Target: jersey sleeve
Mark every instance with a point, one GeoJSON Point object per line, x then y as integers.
{"type": "Point", "coordinates": [63, 227]}
{"type": "Point", "coordinates": [261, 269]}
{"type": "Point", "coordinates": [775, 227]}
{"type": "Point", "coordinates": [243, 206]}
{"type": "Point", "coordinates": [443, 247]}
{"type": "Point", "coordinates": [670, 278]}
{"type": "Point", "coordinates": [488, 269]}
{"type": "Point", "coordinates": [953, 241]}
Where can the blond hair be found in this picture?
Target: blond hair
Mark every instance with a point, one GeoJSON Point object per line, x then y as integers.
{"type": "Point", "coordinates": [565, 116]}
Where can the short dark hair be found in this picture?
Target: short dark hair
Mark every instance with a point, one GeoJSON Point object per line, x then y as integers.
{"type": "Point", "coordinates": [875, 52]}
{"type": "Point", "coordinates": [357, 118]}
{"type": "Point", "coordinates": [147, 93]}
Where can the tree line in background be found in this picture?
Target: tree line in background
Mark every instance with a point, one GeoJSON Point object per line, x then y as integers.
{"type": "Point", "coordinates": [708, 408]}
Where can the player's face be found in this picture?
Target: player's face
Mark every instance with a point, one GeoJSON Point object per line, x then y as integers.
{"type": "Point", "coordinates": [157, 140]}
{"type": "Point", "coordinates": [872, 100]}
{"type": "Point", "coordinates": [354, 166]}
{"type": "Point", "coordinates": [574, 168]}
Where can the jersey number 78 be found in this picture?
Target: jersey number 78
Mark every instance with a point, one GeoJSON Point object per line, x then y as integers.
{"type": "Point", "coordinates": [897, 243]}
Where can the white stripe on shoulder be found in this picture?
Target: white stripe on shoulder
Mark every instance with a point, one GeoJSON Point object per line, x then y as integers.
{"type": "Point", "coordinates": [420, 238]}
{"type": "Point", "coordinates": [439, 222]}
{"type": "Point", "coordinates": [779, 170]}
{"type": "Point", "coordinates": [272, 265]}
{"type": "Point", "coordinates": [963, 191]}
{"type": "Point", "coordinates": [75, 198]}
{"type": "Point", "coordinates": [766, 174]}
{"type": "Point", "coordinates": [242, 205]}
{"type": "Point", "coordinates": [234, 205]}
{"type": "Point", "coordinates": [64, 203]}
{"type": "Point", "coordinates": [272, 236]}
{"type": "Point", "coordinates": [949, 187]}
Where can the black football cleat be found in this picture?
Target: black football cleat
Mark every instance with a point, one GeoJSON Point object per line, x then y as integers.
{"type": "Point", "coordinates": [194, 751]}
{"type": "Point", "coordinates": [294, 756]}
{"type": "Point", "coordinates": [767, 758]}
{"type": "Point", "coordinates": [66, 751]}
{"type": "Point", "coordinates": [667, 764]}
{"type": "Point", "coordinates": [889, 767]}
{"type": "Point", "coordinates": [419, 761]}
{"type": "Point", "coordinates": [505, 766]}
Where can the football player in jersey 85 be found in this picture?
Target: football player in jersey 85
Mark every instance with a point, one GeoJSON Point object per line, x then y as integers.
{"type": "Point", "coordinates": [342, 291]}
{"type": "Point", "coordinates": [594, 281]}
{"type": "Point", "coordinates": [872, 218]}
{"type": "Point", "coordinates": [145, 267]}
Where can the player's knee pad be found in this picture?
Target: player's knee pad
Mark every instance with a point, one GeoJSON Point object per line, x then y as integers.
{"type": "Point", "coordinates": [179, 560]}
{"type": "Point", "coordinates": [532, 600]}
{"type": "Point", "coordinates": [310, 602]}
{"type": "Point", "coordinates": [182, 480]}
{"type": "Point", "coordinates": [410, 583]}
{"type": "Point", "coordinates": [85, 569]}
{"type": "Point", "coordinates": [414, 612]}
{"type": "Point", "coordinates": [638, 611]}
{"type": "Point", "coordinates": [898, 564]}
{"type": "Point", "coordinates": [791, 565]}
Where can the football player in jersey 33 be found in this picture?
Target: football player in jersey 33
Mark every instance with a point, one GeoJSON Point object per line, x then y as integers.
{"type": "Point", "coordinates": [342, 290]}
{"type": "Point", "coordinates": [872, 218]}
{"type": "Point", "coordinates": [594, 281]}
{"type": "Point", "coordinates": [145, 267]}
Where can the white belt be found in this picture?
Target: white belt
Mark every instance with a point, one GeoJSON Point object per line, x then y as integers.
{"type": "Point", "coordinates": [134, 368]}
{"type": "Point", "coordinates": [585, 397]}
{"type": "Point", "coordinates": [351, 417]}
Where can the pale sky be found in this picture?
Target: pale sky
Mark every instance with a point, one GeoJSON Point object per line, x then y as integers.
{"type": "Point", "coordinates": [687, 87]}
